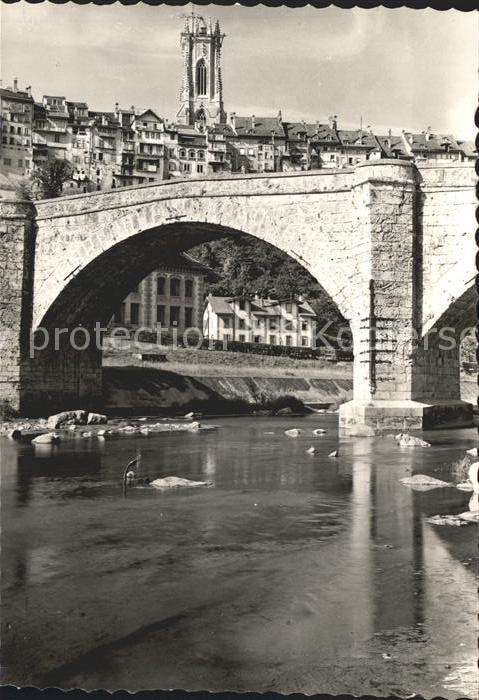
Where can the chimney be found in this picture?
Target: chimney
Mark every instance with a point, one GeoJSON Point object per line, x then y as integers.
{"type": "Point", "coordinates": [333, 121]}
{"type": "Point", "coordinates": [428, 133]}
{"type": "Point", "coordinates": [132, 108]}
{"type": "Point", "coordinates": [117, 107]}
{"type": "Point", "coordinates": [15, 85]}
{"type": "Point", "coordinates": [280, 116]}
{"type": "Point", "coordinates": [252, 121]}
{"type": "Point", "coordinates": [233, 120]}
{"type": "Point", "coordinates": [29, 91]}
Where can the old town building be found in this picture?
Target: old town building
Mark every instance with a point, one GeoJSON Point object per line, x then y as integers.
{"type": "Point", "coordinates": [171, 297]}
{"type": "Point", "coordinates": [16, 115]}
{"type": "Point", "coordinates": [246, 319]}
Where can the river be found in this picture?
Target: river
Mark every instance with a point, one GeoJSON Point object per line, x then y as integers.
{"type": "Point", "coordinates": [293, 573]}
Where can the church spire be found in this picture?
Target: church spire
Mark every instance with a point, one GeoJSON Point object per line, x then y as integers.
{"type": "Point", "coordinates": [201, 95]}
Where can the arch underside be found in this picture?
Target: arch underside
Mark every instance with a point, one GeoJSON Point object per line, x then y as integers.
{"type": "Point", "coordinates": [94, 294]}
{"type": "Point", "coordinates": [459, 315]}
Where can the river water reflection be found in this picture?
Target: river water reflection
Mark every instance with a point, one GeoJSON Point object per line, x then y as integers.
{"type": "Point", "coordinates": [294, 573]}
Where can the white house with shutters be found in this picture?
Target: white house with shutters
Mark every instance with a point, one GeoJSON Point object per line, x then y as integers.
{"type": "Point", "coordinates": [246, 319]}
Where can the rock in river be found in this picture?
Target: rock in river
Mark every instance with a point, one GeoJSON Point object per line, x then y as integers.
{"type": "Point", "coordinates": [294, 432]}
{"type": "Point", "coordinates": [406, 440]}
{"type": "Point", "coordinates": [422, 482]}
{"type": "Point", "coordinates": [174, 482]}
{"type": "Point", "coordinates": [46, 439]}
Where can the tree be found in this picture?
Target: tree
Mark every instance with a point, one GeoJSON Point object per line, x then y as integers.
{"type": "Point", "coordinates": [248, 265]}
{"type": "Point", "coordinates": [50, 176]}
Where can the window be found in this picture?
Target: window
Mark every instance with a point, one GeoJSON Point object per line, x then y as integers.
{"type": "Point", "coordinates": [187, 167]}
{"type": "Point", "coordinates": [257, 339]}
{"type": "Point", "coordinates": [182, 153]}
{"type": "Point", "coordinates": [242, 151]}
{"type": "Point", "coordinates": [304, 325]}
{"type": "Point", "coordinates": [272, 324]}
{"type": "Point", "coordinates": [288, 340]}
{"type": "Point", "coordinates": [242, 324]}
{"type": "Point", "coordinates": [258, 323]}
{"type": "Point", "coordinates": [189, 288]}
{"type": "Point", "coordinates": [188, 316]}
{"type": "Point", "coordinates": [134, 313]}
{"type": "Point", "coordinates": [160, 285]}
{"type": "Point", "coordinates": [151, 179]}
{"type": "Point", "coordinates": [160, 314]}
{"type": "Point", "coordinates": [242, 337]}
{"type": "Point", "coordinates": [20, 163]}
{"type": "Point", "coordinates": [251, 151]}
{"type": "Point", "coordinates": [4, 139]}
{"type": "Point", "coordinates": [174, 287]}
{"type": "Point", "coordinates": [171, 152]}
{"type": "Point", "coordinates": [191, 155]}
{"type": "Point", "coordinates": [199, 168]}
{"type": "Point", "coordinates": [272, 340]}
{"type": "Point", "coordinates": [242, 304]}
{"type": "Point", "coordinates": [201, 77]}
{"type": "Point", "coordinates": [304, 341]}
{"type": "Point", "coordinates": [27, 163]}
{"type": "Point", "coordinates": [289, 307]}
{"type": "Point", "coordinates": [201, 155]}
{"type": "Point", "coordinates": [288, 326]}
{"type": "Point", "coordinates": [226, 323]}
{"type": "Point", "coordinates": [119, 316]}
{"type": "Point", "coordinates": [7, 161]}
{"type": "Point", "coordinates": [350, 161]}
{"type": "Point", "coordinates": [174, 315]}
{"type": "Point", "coordinates": [57, 138]}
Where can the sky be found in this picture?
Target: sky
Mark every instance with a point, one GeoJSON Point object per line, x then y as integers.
{"type": "Point", "coordinates": [395, 68]}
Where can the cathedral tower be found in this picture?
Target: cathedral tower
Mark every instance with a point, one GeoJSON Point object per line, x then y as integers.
{"type": "Point", "coordinates": [201, 96]}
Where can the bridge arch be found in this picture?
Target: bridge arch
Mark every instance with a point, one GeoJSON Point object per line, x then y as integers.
{"type": "Point", "coordinates": [94, 293]}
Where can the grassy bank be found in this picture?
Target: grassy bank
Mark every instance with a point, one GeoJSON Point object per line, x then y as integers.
{"type": "Point", "coordinates": [214, 363]}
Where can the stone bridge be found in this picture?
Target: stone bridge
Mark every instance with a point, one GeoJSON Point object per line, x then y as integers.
{"type": "Point", "coordinates": [392, 244]}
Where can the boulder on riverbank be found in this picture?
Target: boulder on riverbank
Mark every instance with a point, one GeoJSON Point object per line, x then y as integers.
{"type": "Point", "coordinates": [96, 419]}
{"type": "Point", "coordinates": [78, 417]}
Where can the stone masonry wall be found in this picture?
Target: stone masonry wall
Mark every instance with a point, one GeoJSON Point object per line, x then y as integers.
{"type": "Point", "coordinates": [16, 264]}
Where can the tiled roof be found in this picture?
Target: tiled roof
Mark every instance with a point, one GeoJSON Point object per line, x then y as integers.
{"type": "Point", "coordinates": [436, 142]}
{"type": "Point", "coordinates": [468, 148]}
{"type": "Point", "coordinates": [268, 307]}
{"type": "Point", "coordinates": [148, 111]}
{"type": "Point", "coordinates": [263, 126]}
{"type": "Point", "coordinates": [397, 145]}
{"type": "Point", "coordinates": [225, 129]}
{"type": "Point", "coordinates": [316, 131]}
{"type": "Point", "coordinates": [18, 95]}
{"type": "Point", "coordinates": [219, 305]}
{"type": "Point", "coordinates": [355, 137]}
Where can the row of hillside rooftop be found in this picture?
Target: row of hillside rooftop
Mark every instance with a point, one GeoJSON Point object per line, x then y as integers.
{"type": "Point", "coordinates": [127, 147]}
